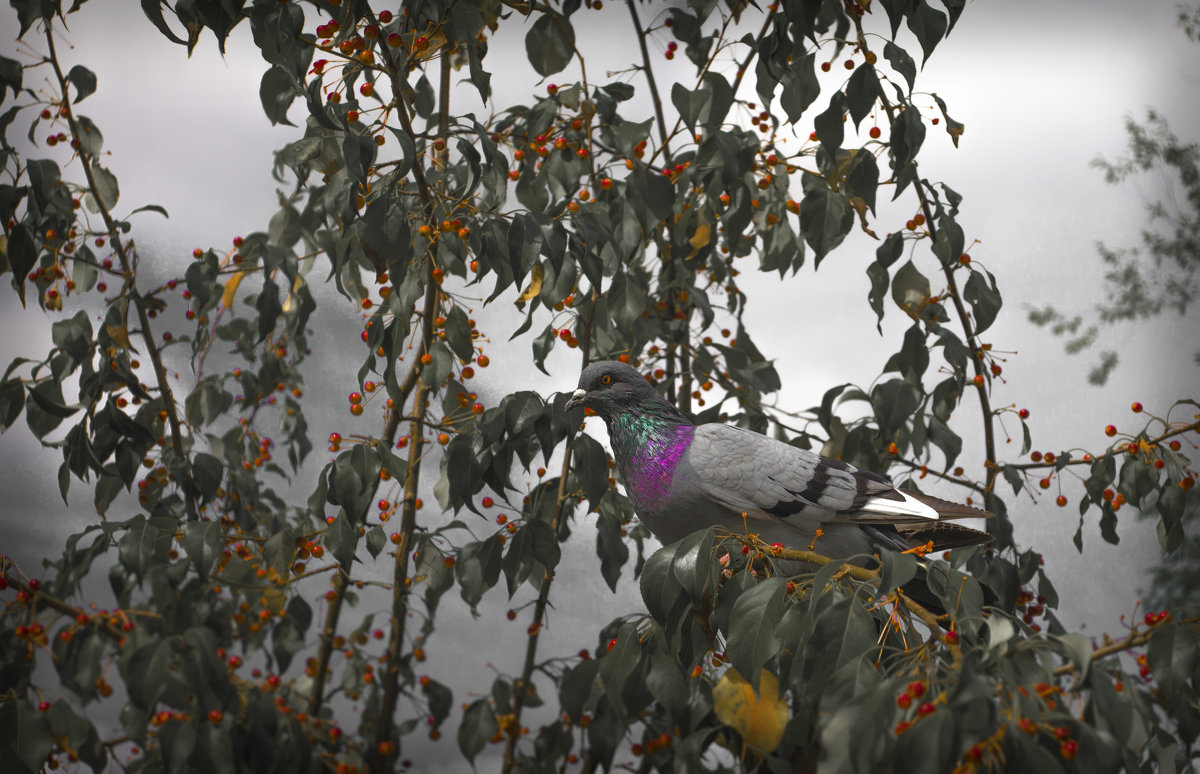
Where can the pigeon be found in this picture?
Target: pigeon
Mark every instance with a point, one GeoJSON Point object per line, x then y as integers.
{"type": "Point", "coordinates": [682, 477]}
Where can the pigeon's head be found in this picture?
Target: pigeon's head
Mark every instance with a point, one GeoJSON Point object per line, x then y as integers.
{"type": "Point", "coordinates": [607, 387]}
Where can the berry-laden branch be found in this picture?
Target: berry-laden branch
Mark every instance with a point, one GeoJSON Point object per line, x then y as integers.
{"type": "Point", "coordinates": [926, 470]}
{"type": "Point", "coordinates": [384, 748]}
{"type": "Point", "coordinates": [1087, 458]}
{"type": "Point", "coordinates": [980, 380]}
{"type": "Point", "coordinates": [128, 271]}
{"type": "Point", "coordinates": [1134, 640]}
{"type": "Point", "coordinates": [667, 277]}
{"type": "Point", "coordinates": [32, 594]}
{"type": "Point", "coordinates": [927, 616]}
{"type": "Point", "coordinates": [524, 685]}
{"type": "Point", "coordinates": [640, 33]}
{"type": "Point", "coordinates": [341, 581]}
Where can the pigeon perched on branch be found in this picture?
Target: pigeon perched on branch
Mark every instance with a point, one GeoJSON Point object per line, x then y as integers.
{"type": "Point", "coordinates": [682, 477]}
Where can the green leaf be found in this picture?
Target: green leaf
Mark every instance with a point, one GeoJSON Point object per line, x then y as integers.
{"type": "Point", "coordinates": [1078, 648]}
{"type": "Point", "coordinates": [341, 537]}
{"type": "Point", "coordinates": [25, 736]}
{"type": "Point", "coordinates": [984, 299]}
{"type": "Point", "coordinates": [22, 254]}
{"type": "Point", "coordinates": [202, 541]}
{"type": "Point", "coordinates": [611, 548]}
{"type": "Point", "coordinates": [1172, 656]}
{"type": "Point", "coordinates": [12, 401]}
{"type": "Point", "coordinates": [800, 88]}
{"type": "Point", "coordinates": [550, 43]}
{"type": "Point", "coordinates": [575, 688]}
{"type": "Point", "coordinates": [376, 541]}
{"type": "Point", "coordinates": [830, 125]}
{"type": "Point", "coordinates": [277, 92]}
{"type": "Point", "coordinates": [77, 734]}
{"type": "Point", "coordinates": [908, 134]}
{"type": "Point", "coordinates": [458, 334]}
{"type": "Point", "coordinates": [910, 290]}
{"type": "Point", "coordinates": [1108, 524]}
{"type": "Point", "coordinates": [825, 219]}
{"type": "Point", "coordinates": [74, 336]}
{"type": "Point", "coordinates": [619, 663]}
{"type": "Point", "coordinates": [690, 103]}
{"type": "Point", "coordinates": [440, 697]}
{"type": "Point", "coordinates": [945, 439]}
{"type": "Point", "coordinates": [10, 77]}
{"type": "Point", "coordinates": [752, 622]}
{"type": "Point", "coordinates": [106, 191]}
{"type": "Point", "coordinates": [153, 11]}
{"type": "Point", "coordinates": [929, 26]}
{"type": "Point", "coordinates": [1170, 507]}
{"type": "Point", "coordinates": [477, 728]}
{"type": "Point", "coordinates": [861, 93]}
{"type": "Point", "coordinates": [84, 81]}
{"type": "Point", "coordinates": [901, 62]}
{"type": "Point", "coordinates": [896, 569]}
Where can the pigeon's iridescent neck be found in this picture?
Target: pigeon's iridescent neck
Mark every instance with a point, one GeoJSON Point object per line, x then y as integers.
{"type": "Point", "coordinates": [647, 447]}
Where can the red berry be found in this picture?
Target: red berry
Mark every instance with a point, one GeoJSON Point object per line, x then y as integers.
{"type": "Point", "coordinates": [1023, 413]}
{"type": "Point", "coordinates": [825, 67]}
{"type": "Point", "coordinates": [904, 702]}
{"type": "Point", "coordinates": [216, 716]}
{"type": "Point", "coordinates": [874, 132]}
{"type": "Point", "coordinates": [1110, 431]}
{"type": "Point", "coordinates": [1136, 407]}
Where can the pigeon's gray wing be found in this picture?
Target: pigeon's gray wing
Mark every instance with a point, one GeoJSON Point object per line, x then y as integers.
{"type": "Point", "coordinates": [766, 479]}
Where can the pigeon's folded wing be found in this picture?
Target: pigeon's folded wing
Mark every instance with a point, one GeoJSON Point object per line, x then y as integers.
{"type": "Point", "coordinates": [767, 479]}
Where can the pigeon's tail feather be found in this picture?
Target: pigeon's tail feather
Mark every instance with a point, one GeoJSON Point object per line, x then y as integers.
{"type": "Point", "coordinates": [949, 510]}
{"type": "Point", "coordinates": [943, 535]}
{"type": "Point", "coordinates": [894, 507]}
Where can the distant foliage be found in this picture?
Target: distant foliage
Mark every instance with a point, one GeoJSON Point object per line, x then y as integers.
{"type": "Point", "coordinates": [613, 227]}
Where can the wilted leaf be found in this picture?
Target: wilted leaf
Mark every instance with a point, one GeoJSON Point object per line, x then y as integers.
{"type": "Point", "coordinates": [231, 286]}
{"type": "Point", "coordinates": [536, 274]}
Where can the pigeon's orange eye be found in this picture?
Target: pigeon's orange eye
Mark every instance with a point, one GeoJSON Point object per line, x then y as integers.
{"type": "Point", "coordinates": [606, 379]}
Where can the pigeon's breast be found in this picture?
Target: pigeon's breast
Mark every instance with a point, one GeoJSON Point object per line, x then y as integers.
{"type": "Point", "coordinates": [651, 470]}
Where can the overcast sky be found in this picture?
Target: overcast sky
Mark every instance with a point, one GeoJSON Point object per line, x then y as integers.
{"type": "Point", "coordinates": [1042, 87]}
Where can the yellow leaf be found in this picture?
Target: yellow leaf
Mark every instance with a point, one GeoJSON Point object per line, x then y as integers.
{"type": "Point", "coordinates": [274, 600]}
{"type": "Point", "coordinates": [761, 719]}
{"type": "Point", "coordinates": [231, 286]}
{"type": "Point", "coordinates": [119, 335]}
{"type": "Point", "coordinates": [289, 303]}
{"type": "Point", "coordinates": [701, 238]}
{"type": "Point", "coordinates": [860, 206]}
{"type": "Point", "coordinates": [535, 284]}
{"type": "Point", "coordinates": [434, 41]}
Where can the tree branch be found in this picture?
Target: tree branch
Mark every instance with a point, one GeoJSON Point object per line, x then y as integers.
{"type": "Point", "coordinates": [523, 685]}
{"type": "Point", "coordinates": [130, 274]}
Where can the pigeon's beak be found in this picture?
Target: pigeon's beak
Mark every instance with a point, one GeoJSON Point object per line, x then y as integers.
{"type": "Point", "coordinates": [577, 399]}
